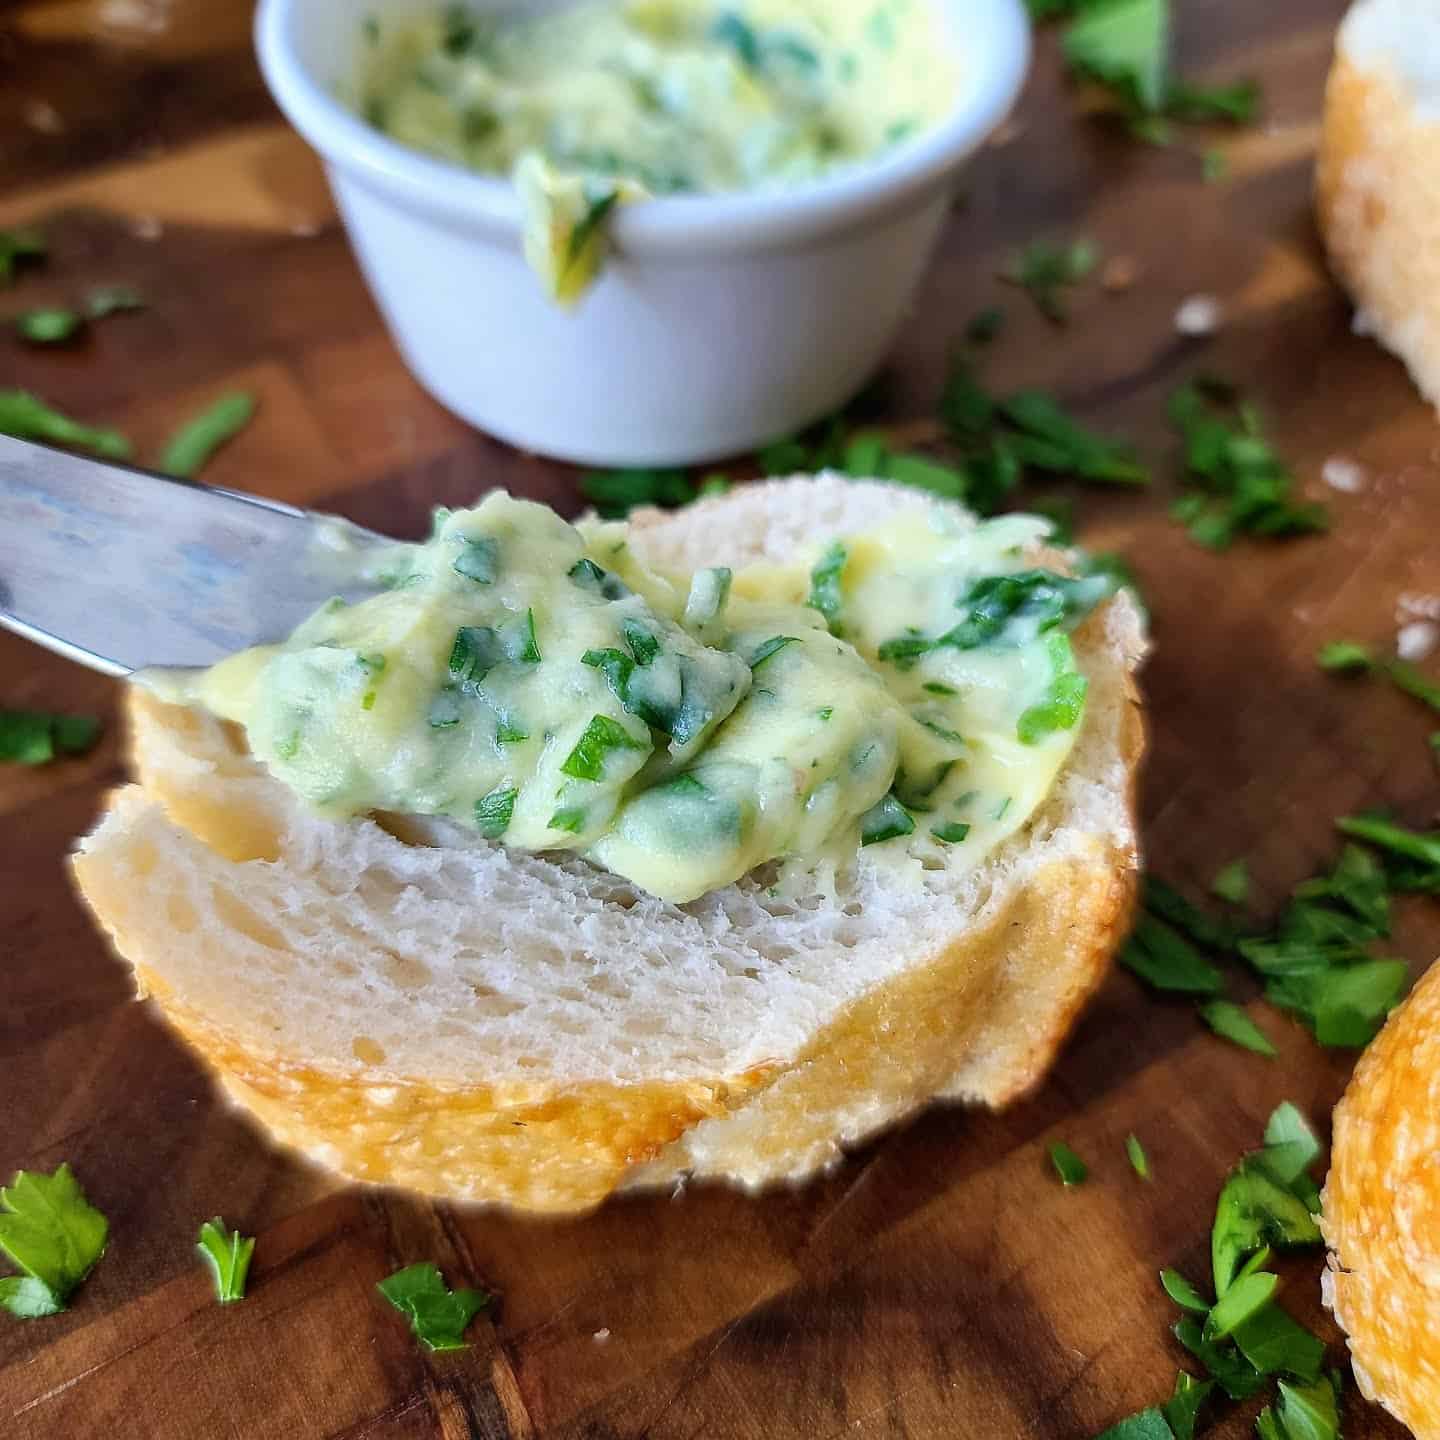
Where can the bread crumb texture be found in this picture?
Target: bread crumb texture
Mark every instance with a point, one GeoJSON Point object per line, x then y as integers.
{"type": "Point", "coordinates": [1382, 1214]}
{"type": "Point", "coordinates": [407, 1003]}
{"type": "Point", "coordinates": [1378, 176]}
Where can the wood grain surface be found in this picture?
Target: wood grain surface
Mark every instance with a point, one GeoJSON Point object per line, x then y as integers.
{"type": "Point", "coordinates": [940, 1283]}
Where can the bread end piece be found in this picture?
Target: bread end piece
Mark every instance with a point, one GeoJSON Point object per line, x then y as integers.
{"type": "Point", "coordinates": [1382, 1214]}
{"type": "Point", "coordinates": [1377, 186]}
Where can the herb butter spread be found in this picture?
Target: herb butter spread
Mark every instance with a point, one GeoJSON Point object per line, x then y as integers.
{"type": "Point", "coordinates": [912, 688]}
{"type": "Point", "coordinates": [614, 100]}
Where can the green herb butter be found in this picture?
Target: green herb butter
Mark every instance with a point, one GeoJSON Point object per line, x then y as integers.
{"type": "Point", "coordinates": [611, 101]}
{"type": "Point", "coordinates": [536, 682]}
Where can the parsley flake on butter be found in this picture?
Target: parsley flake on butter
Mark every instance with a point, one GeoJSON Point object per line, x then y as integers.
{"type": "Point", "coordinates": [227, 1255]}
{"type": "Point", "coordinates": [438, 1316]}
{"type": "Point", "coordinates": [50, 1230]}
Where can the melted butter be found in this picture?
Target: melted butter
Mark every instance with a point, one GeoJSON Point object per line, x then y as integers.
{"type": "Point", "coordinates": [609, 101]}
{"type": "Point", "coordinates": [539, 683]}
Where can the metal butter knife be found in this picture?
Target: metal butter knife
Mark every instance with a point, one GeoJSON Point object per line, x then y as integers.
{"type": "Point", "coordinates": [121, 569]}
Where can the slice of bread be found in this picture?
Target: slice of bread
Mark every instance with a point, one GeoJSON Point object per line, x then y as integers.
{"type": "Point", "coordinates": [407, 1003]}
{"type": "Point", "coordinates": [1377, 180]}
{"type": "Point", "coordinates": [1382, 1214]}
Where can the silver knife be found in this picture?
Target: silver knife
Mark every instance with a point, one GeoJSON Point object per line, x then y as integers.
{"type": "Point", "coordinates": [122, 569]}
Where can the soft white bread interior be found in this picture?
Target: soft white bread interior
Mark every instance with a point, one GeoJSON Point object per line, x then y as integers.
{"type": "Point", "coordinates": [407, 1003]}
{"type": "Point", "coordinates": [1382, 1214]}
{"type": "Point", "coordinates": [1378, 176]}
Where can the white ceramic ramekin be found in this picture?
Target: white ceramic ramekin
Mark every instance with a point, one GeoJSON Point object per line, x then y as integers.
{"type": "Point", "coordinates": [718, 323]}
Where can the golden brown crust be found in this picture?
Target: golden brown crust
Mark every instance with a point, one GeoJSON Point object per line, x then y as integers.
{"type": "Point", "coordinates": [1377, 192]}
{"type": "Point", "coordinates": [1382, 1214]}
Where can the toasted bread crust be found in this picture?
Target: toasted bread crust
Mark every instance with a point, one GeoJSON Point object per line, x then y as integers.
{"type": "Point", "coordinates": [1377, 193]}
{"type": "Point", "coordinates": [1382, 1214]}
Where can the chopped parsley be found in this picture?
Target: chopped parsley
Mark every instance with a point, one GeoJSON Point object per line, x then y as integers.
{"type": "Point", "coordinates": [1044, 271]}
{"type": "Point", "coordinates": [1050, 440]}
{"type": "Point", "coordinates": [35, 737]}
{"type": "Point", "coordinates": [1415, 683]}
{"type": "Point", "coordinates": [1135, 1153]}
{"type": "Point", "coordinates": [985, 325]}
{"type": "Point", "coordinates": [1071, 1169]}
{"type": "Point", "coordinates": [1344, 656]}
{"type": "Point", "coordinates": [952, 832]}
{"type": "Point", "coordinates": [437, 1315]}
{"type": "Point", "coordinates": [825, 582]}
{"type": "Point", "coordinates": [17, 248]}
{"type": "Point", "coordinates": [887, 819]}
{"type": "Point", "coordinates": [52, 1232]}
{"type": "Point", "coordinates": [587, 230]}
{"type": "Point", "coordinates": [1064, 701]}
{"type": "Point", "coordinates": [1182, 1409]}
{"type": "Point", "coordinates": [602, 736]}
{"type": "Point", "coordinates": [494, 811]}
{"type": "Point", "coordinates": [569, 818]}
{"type": "Point", "coordinates": [772, 646]}
{"type": "Point", "coordinates": [27, 417]}
{"type": "Point", "coordinates": [227, 1254]}
{"type": "Point", "coordinates": [194, 444]}
{"type": "Point", "coordinates": [614, 493]}
{"type": "Point", "coordinates": [479, 559]}
{"type": "Point", "coordinates": [51, 325]}
{"type": "Point", "coordinates": [1162, 957]}
{"type": "Point", "coordinates": [1231, 1023]}
{"type": "Point", "coordinates": [1232, 882]}
{"type": "Point", "coordinates": [1240, 485]}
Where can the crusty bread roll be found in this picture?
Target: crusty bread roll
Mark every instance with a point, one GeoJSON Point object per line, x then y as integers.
{"type": "Point", "coordinates": [1382, 1214]}
{"type": "Point", "coordinates": [1378, 176]}
{"type": "Point", "coordinates": [408, 1003]}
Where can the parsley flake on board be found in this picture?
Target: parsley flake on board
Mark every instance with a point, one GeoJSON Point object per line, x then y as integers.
{"type": "Point", "coordinates": [105, 300]}
{"type": "Point", "coordinates": [52, 325]}
{"type": "Point", "coordinates": [27, 417]}
{"type": "Point", "coordinates": [1182, 1409]}
{"type": "Point", "coordinates": [614, 493]}
{"type": "Point", "coordinates": [1239, 484]}
{"type": "Point", "coordinates": [1230, 1022]}
{"type": "Point", "coordinates": [227, 1253]}
{"type": "Point", "coordinates": [1232, 882]}
{"type": "Point", "coordinates": [1344, 656]}
{"type": "Point", "coordinates": [1071, 1169]}
{"type": "Point", "coordinates": [1044, 271]}
{"type": "Point", "coordinates": [1139, 1160]}
{"type": "Point", "coordinates": [35, 737]}
{"type": "Point", "coordinates": [195, 443]}
{"type": "Point", "coordinates": [17, 248]}
{"type": "Point", "coordinates": [1164, 958]}
{"type": "Point", "coordinates": [438, 1316]}
{"type": "Point", "coordinates": [50, 1230]}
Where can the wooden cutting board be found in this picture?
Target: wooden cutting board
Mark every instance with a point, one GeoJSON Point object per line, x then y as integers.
{"type": "Point", "coordinates": [941, 1283]}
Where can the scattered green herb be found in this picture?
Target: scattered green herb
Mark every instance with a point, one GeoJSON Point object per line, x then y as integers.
{"type": "Point", "coordinates": [1125, 45]}
{"type": "Point", "coordinates": [1240, 484]}
{"type": "Point", "coordinates": [950, 833]}
{"type": "Point", "coordinates": [227, 1253]}
{"type": "Point", "coordinates": [1071, 1169]}
{"type": "Point", "coordinates": [1139, 1160]}
{"type": "Point", "coordinates": [34, 737]}
{"type": "Point", "coordinates": [50, 1230]}
{"type": "Point", "coordinates": [1231, 1023]}
{"type": "Point", "coordinates": [1044, 271]}
{"type": "Point", "coordinates": [1182, 1409]}
{"type": "Point", "coordinates": [601, 737]}
{"type": "Point", "coordinates": [1183, 1293]}
{"type": "Point", "coordinates": [772, 646]}
{"type": "Point", "coordinates": [1149, 1424]}
{"type": "Point", "coordinates": [1414, 682]}
{"type": "Point", "coordinates": [1064, 701]}
{"type": "Point", "coordinates": [17, 248]}
{"type": "Point", "coordinates": [826, 579]}
{"type": "Point", "coordinates": [1214, 166]}
{"type": "Point", "coordinates": [194, 444]}
{"type": "Point", "coordinates": [985, 325]}
{"type": "Point", "coordinates": [1164, 958]}
{"type": "Point", "coordinates": [50, 326]}
{"type": "Point", "coordinates": [1345, 656]}
{"type": "Point", "coordinates": [27, 417]}
{"type": "Point", "coordinates": [437, 1315]}
{"type": "Point", "coordinates": [614, 493]}
{"type": "Point", "coordinates": [1232, 882]}
{"type": "Point", "coordinates": [587, 229]}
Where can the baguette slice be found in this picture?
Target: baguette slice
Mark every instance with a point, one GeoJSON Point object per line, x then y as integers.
{"type": "Point", "coordinates": [1378, 177]}
{"type": "Point", "coordinates": [1382, 1214]}
{"type": "Point", "coordinates": [407, 1003]}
